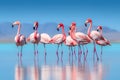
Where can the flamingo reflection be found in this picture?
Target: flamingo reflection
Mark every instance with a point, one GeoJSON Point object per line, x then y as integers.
{"type": "Point", "coordinates": [19, 70]}
{"type": "Point", "coordinates": [35, 70]}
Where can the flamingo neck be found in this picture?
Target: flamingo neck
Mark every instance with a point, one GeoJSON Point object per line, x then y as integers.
{"type": "Point", "coordinates": [101, 32]}
{"type": "Point", "coordinates": [89, 29]}
{"type": "Point", "coordinates": [72, 33]}
{"type": "Point", "coordinates": [18, 31]}
{"type": "Point", "coordinates": [63, 32]}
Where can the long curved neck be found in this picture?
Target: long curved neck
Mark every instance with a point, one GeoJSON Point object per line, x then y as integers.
{"type": "Point", "coordinates": [72, 33]}
{"type": "Point", "coordinates": [101, 32]}
{"type": "Point", "coordinates": [63, 32]}
{"type": "Point", "coordinates": [89, 29]}
{"type": "Point", "coordinates": [18, 31]}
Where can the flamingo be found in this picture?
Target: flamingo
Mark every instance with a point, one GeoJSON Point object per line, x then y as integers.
{"type": "Point", "coordinates": [34, 37]}
{"type": "Point", "coordinates": [94, 35]}
{"type": "Point", "coordinates": [70, 43]}
{"type": "Point", "coordinates": [20, 39]}
{"type": "Point", "coordinates": [59, 38]}
{"type": "Point", "coordinates": [79, 37]}
{"type": "Point", "coordinates": [45, 39]}
{"type": "Point", "coordinates": [103, 41]}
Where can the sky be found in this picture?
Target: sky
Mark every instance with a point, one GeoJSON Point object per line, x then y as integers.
{"type": "Point", "coordinates": [102, 12]}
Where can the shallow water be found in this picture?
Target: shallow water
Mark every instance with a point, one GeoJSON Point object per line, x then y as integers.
{"type": "Point", "coordinates": [69, 68]}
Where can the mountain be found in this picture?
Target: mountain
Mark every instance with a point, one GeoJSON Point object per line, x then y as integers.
{"type": "Point", "coordinates": [7, 33]}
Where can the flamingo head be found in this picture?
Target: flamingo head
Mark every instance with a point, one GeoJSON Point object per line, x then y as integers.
{"type": "Point", "coordinates": [60, 25]}
{"type": "Point", "coordinates": [99, 28]}
{"type": "Point", "coordinates": [73, 26]}
{"type": "Point", "coordinates": [15, 23]}
{"type": "Point", "coordinates": [88, 21]}
{"type": "Point", "coordinates": [35, 27]}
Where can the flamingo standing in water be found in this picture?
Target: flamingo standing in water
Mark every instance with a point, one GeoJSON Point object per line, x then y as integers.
{"type": "Point", "coordinates": [94, 35]}
{"type": "Point", "coordinates": [80, 38]}
{"type": "Point", "coordinates": [34, 37]}
{"type": "Point", "coordinates": [59, 38]}
{"type": "Point", "coordinates": [103, 41]}
{"type": "Point", "coordinates": [20, 39]}
{"type": "Point", "coordinates": [45, 39]}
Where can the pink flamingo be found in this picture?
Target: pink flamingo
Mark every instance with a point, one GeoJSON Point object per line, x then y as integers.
{"type": "Point", "coordinates": [103, 41]}
{"type": "Point", "coordinates": [94, 35]}
{"type": "Point", "coordinates": [20, 39]}
{"type": "Point", "coordinates": [80, 38]}
{"type": "Point", "coordinates": [70, 43]}
{"type": "Point", "coordinates": [59, 38]}
{"type": "Point", "coordinates": [34, 37]}
{"type": "Point", "coordinates": [45, 39]}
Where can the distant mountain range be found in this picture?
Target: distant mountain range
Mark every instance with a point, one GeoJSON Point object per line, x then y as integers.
{"type": "Point", "coordinates": [7, 33]}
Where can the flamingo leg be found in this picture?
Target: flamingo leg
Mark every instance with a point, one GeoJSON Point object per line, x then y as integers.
{"type": "Point", "coordinates": [86, 52]}
{"type": "Point", "coordinates": [61, 52]}
{"type": "Point", "coordinates": [34, 50]}
{"type": "Point", "coordinates": [57, 52]}
{"type": "Point", "coordinates": [83, 51]}
{"type": "Point", "coordinates": [79, 52]}
{"type": "Point", "coordinates": [37, 49]}
{"type": "Point", "coordinates": [69, 53]}
{"type": "Point", "coordinates": [95, 51]}
{"type": "Point", "coordinates": [75, 53]}
{"type": "Point", "coordinates": [21, 52]}
{"type": "Point", "coordinates": [45, 52]}
{"type": "Point", "coordinates": [18, 51]}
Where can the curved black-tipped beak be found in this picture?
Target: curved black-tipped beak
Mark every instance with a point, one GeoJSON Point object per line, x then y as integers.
{"type": "Point", "coordinates": [97, 29]}
{"type": "Point", "coordinates": [57, 29]}
{"type": "Point", "coordinates": [68, 33]}
{"type": "Point", "coordinates": [70, 28]}
{"type": "Point", "coordinates": [33, 28]}
{"type": "Point", "coordinates": [85, 24]}
{"type": "Point", "coordinates": [12, 25]}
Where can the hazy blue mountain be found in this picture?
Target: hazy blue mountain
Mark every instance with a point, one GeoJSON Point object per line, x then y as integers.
{"type": "Point", "coordinates": [7, 33]}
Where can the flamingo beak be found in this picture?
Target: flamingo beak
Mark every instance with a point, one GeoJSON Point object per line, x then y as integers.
{"type": "Point", "coordinates": [70, 28]}
{"type": "Point", "coordinates": [33, 28]}
{"type": "Point", "coordinates": [85, 24]}
{"type": "Point", "coordinates": [57, 29]}
{"type": "Point", "coordinates": [97, 29]}
{"type": "Point", "coordinates": [12, 25]}
{"type": "Point", "coordinates": [68, 33]}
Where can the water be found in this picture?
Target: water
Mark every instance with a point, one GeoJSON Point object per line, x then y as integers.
{"type": "Point", "coordinates": [30, 68]}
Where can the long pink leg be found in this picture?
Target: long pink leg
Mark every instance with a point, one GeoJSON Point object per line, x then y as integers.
{"type": "Point", "coordinates": [34, 50]}
{"type": "Point", "coordinates": [45, 52]}
{"type": "Point", "coordinates": [61, 52]}
{"type": "Point", "coordinates": [57, 52]}
{"type": "Point", "coordinates": [79, 52]}
{"type": "Point", "coordinates": [21, 52]}
{"type": "Point", "coordinates": [75, 53]}
{"type": "Point", "coordinates": [86, 52]}
{"type": "Point", "coordinates": [95, 51]}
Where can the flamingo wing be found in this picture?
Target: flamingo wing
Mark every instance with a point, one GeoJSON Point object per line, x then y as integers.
{"type": "Point", "coordinates": [57, 38]}
{"type": "Point", "coordinates": [45, 38]}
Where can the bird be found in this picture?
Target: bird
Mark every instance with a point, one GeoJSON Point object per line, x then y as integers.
{"type": "Point", "coordinates": [45, 39]}
{"type": "Point", "coordinates": [94, 35]}
{"type": "Point", "coordinates": [103, 41]}
{"type": "Point", "coordinates": [34, 37]}
{"type": "Point", "coordinates": [59, 38]}
{"type": "Point", "coordinates": [20, 39]}
{"type": "Point", "coordinates": [70, 43]}
{"type": "Point", "coordinates": [80, 38]}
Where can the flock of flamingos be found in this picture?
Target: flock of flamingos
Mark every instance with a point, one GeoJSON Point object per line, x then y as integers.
{"type": "Point", "coordinates": [73, 39]}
